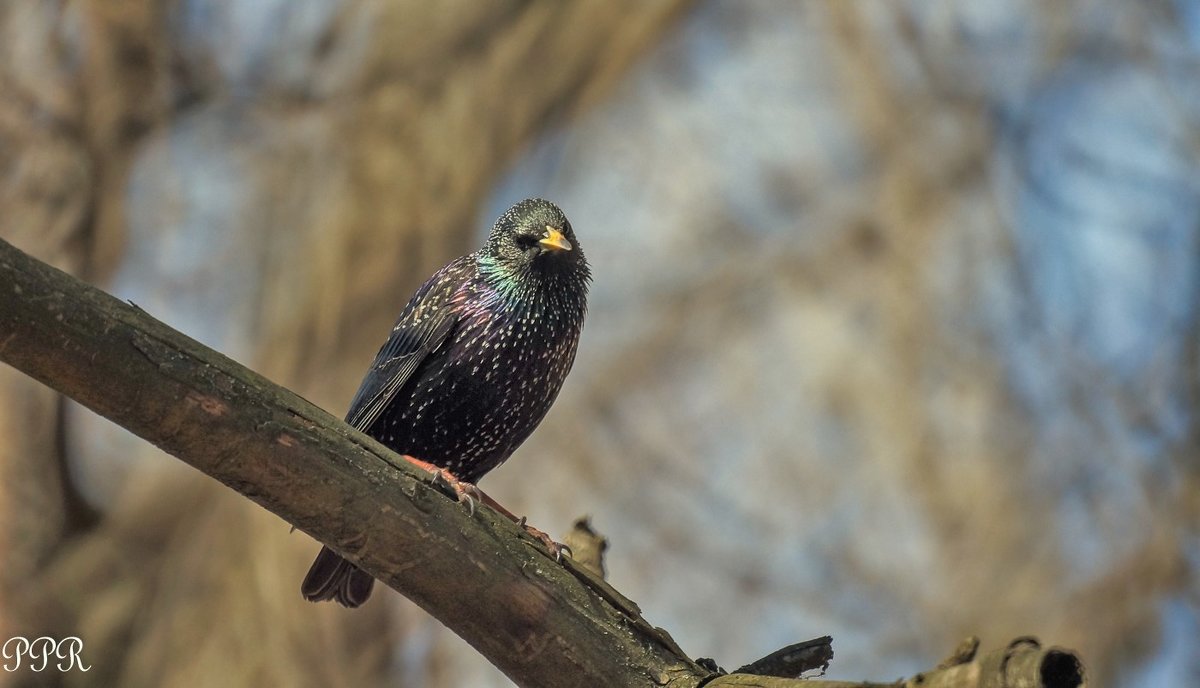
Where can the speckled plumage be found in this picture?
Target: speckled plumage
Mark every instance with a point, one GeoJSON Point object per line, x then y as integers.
{"type": "Point", "coordinates": [473, 363]}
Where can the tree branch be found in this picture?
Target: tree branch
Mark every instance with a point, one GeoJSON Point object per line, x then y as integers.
{"type": "Point", "coordinates": [1024, 662]}
{"type": "Point", "coordinates": [541, 622]}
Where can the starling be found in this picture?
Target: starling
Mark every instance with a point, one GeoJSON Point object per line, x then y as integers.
{"type": "Point", "coordinates": [473, 363]}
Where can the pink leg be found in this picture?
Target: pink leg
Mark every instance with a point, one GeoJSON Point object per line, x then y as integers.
{"type": "Point", "coordinates": [468, 492]}
{"type": "Point", "coordinates": [465, 491]}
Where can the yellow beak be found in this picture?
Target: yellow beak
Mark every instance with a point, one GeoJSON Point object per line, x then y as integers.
{"type": "Point", "coordinates": [554, 240]}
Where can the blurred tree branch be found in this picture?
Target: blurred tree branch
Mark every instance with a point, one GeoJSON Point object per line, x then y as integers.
{"type": "Point", "coordinates": [542, 623]}
{"type": "Point", "coordinates": [1023, 662]}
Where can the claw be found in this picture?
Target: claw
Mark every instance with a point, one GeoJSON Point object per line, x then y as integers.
{"type": "Point", "coordinates": [463, 490]}
{"type": "Point", "coordinates": [555, 548]}
{"type": "Point", "coordinates": [467, 492]}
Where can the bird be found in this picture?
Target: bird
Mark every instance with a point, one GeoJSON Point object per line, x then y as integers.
{"type": "Point", "coordinates": [472, 365]}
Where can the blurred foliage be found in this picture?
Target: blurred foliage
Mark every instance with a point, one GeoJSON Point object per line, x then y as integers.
{"type": "Point", "coordinates": [893, 333]}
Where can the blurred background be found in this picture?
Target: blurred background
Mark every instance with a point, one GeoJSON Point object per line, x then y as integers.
{"type": "Point", "coordinates": [893, 332]}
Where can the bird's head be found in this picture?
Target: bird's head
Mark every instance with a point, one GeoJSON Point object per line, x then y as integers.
{"type": "Point", "coordinates": [534, 240]}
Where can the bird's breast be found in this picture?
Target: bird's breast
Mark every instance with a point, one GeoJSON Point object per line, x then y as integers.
{"type": "Point", "coordinates": [517, 350]}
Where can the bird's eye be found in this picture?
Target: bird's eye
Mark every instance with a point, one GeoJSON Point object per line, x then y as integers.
{"type": "Point", "coordinates": [525, 241]}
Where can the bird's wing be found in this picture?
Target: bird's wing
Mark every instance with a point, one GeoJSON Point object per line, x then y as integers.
{"type": "Point", "coordinates": [424, 325]}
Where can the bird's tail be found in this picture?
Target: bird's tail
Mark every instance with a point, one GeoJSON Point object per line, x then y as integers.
{"type": "Point", "coordinates": [333, 578]}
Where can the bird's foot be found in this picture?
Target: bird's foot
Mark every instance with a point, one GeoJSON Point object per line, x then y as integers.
{"type": "Point", "coordinates": [463, 490]}
{"type": "Point", "coordinates": [469, 493]}
{"type": "Point", "coordinates": [555, 548]}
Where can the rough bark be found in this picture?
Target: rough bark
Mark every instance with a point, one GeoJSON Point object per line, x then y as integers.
{"type": "Point", "coordinates": [542, 622]}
